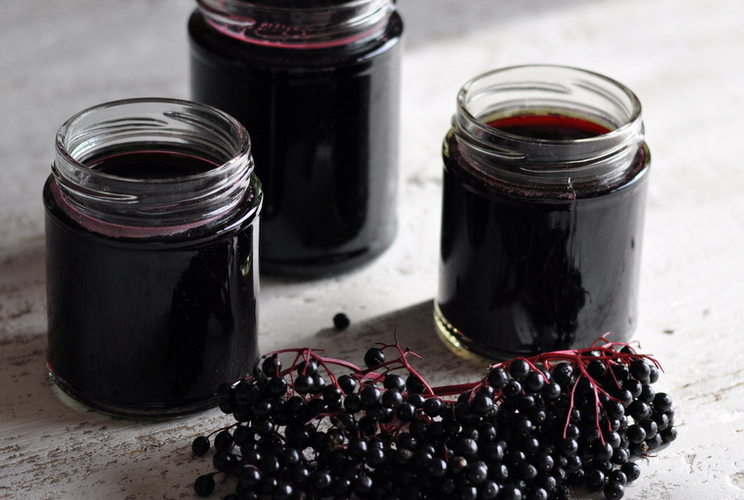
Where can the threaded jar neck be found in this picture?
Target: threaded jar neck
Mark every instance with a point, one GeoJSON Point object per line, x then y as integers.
{"type": "Point", "coordinates": [599, 160]}
{"type": "Point", "coordinates": [144, 198]}
{"type": "Point", "coordinates": [299, 24]}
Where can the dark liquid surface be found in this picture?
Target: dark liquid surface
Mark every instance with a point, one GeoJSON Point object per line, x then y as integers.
{"type": "Point", "coordinates": [549, 127]}
{"type": "Point", "coordinates": [151, 165]}
{"type": "Point", "coordinates": [324, 134]}
{"type": "Point", "coordinates": [519, 275]}
{"type": "Point", "coordinates": [148, 326]}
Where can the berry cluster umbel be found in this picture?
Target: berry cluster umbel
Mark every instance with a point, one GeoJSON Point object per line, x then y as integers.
{"type": "Point", "coordinates": [531, 429]}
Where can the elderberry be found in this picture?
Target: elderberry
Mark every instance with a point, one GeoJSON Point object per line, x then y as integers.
{"type": "Point", "coordinates": [631, 470]}
{"type": "Point", "coordinates": [341, 321]}
{"type": "Point", "coordinates": [414, 384]}
{"type": "Point", "coordinates": [519, 369]}
{"type": "Point", "coordinates": [200, 446]}
{"type": "Point", "coordinates": [310, 427]}
{"type": "Point", "coordinates": [374, 357]}
{"type": "Point", "coordinates": [223, 441]}
{"type": "Point", "coordinates": [204, 485]}
{"type": "Point", "coordinates": [614, 490]}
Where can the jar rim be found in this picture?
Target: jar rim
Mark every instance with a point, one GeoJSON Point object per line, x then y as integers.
{"type": "Point", "coordinates": [558, 88]}
{"type": "Point", "coordinates": [245, 5]}
{"type": "Point", "coordinates": [544, 89]}
{"type": "Point", "coordinates": [314, 26]}
{"type": "Point", "coordinates": [175, 202]}
{"type": "Point", "coordinates": [62, 140]}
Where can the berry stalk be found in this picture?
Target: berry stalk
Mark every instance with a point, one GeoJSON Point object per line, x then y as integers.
{"type": "Point", "coordinates": [311, 426]}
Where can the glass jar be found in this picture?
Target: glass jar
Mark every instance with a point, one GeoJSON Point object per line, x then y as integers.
{"type": "Point", "coordinates": [545, 174]}
{"type": "Point", "coordinates": [317, 85]}
{"type": "Point", "coordinates": [151, 231]}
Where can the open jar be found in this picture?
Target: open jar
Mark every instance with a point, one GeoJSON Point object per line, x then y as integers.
{"type": "Point", "coordinates": [152, 213]}
{"type": "Point", "coordinates": [545, 174]}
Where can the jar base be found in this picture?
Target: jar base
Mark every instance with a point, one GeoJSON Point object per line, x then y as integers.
{"type": "Point", "coordinates": [71, 396]}
{"type": "Point", "coordinates": [465, 347]}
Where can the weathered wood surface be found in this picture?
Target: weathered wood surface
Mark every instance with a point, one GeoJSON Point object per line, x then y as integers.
{"type": "Point", "coordinates": [682, 57]}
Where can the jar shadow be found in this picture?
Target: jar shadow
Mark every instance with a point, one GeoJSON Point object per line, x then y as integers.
{"type": "Point", "coordinates": [412, 328]}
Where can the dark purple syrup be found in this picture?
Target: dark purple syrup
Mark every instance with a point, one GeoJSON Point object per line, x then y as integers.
{"type": "Point", "coordinates": [149, 325]}
{"type": "Point", "coordinates": [521, 273]}
{"type": "Point", "coordinates": [324, 133]}
{"type": "Point", "coordinates": [152, 165]}
{"type": "Point", "coordinates": [554, 127]}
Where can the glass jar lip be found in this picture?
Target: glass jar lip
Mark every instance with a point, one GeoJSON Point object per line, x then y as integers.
{"type": "Point", "coordinates": [632, 121]}
{"type": "Point", "coordinates": [163, 204]}
{"type": "Point", "coordinates": [596, 162]}
{"type": "Point", "coordinates": [243, 5]}
{"type": "Point", "coordinates": [242, 146]}
{"type": "Point", "coordinates": [307, 27]}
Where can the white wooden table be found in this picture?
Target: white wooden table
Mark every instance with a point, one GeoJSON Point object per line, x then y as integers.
{"type": "Point", "coordinates": [682, 57]}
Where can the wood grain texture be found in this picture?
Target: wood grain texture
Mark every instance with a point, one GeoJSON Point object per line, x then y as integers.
{"type": "Point", "coordinates": [682, 57]}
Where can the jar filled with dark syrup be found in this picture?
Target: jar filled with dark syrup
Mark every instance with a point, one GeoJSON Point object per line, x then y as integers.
{"type": "Point", "coordinates": [152, 214]}
{"type": "Point", "coordinates": [316, 83]}
{"type": "Point", "coordinates": [545, 174]}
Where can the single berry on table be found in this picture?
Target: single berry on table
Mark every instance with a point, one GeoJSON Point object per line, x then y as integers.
{"type": "Point", "coordinates": [341, 321]}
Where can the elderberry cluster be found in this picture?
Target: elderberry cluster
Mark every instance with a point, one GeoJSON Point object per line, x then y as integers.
{"type": "Point", "coordinates": [530, 429]}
